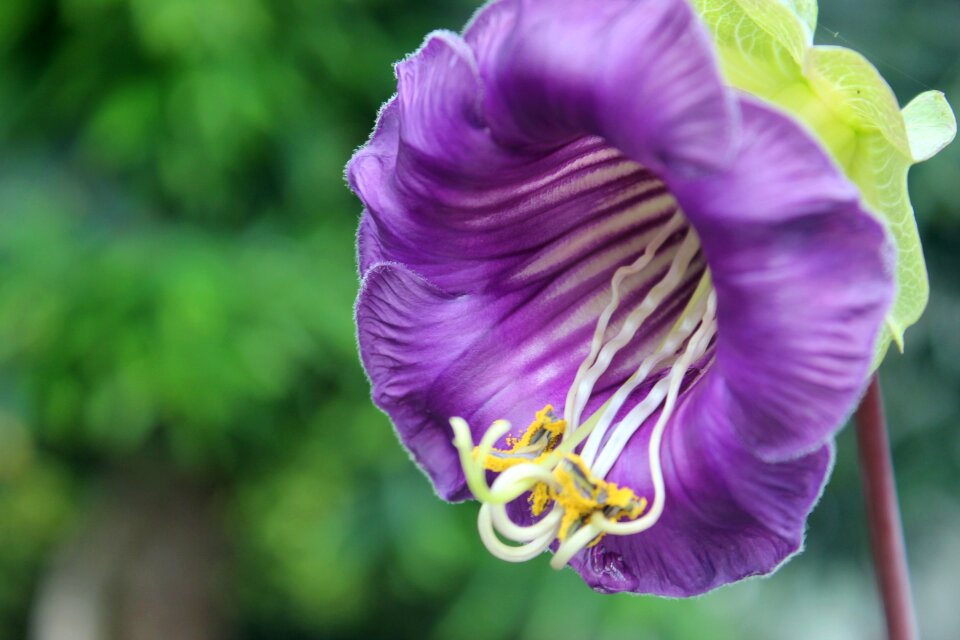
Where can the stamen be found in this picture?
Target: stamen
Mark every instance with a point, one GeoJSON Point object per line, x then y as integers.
{"type": "Point", "coordinates": [581, 495]}
{"type": "Point", "coordinates": [524, 475]}
{"type": "Point", "coordinates": [612, 408]}
{"type": "Point", "coordinates": [619, 276]}
{"type": "Point", "coordinates": [540, 438]}
{"type": "Point", "coordinates": [651, 302]}
{"type": "Point", "coordinates": [473, 472]}
{"type": "Point", "coordinates": [599, 523]}
{"type": "Point", "coordinates": [493, 518]}
{"type": "Point", "coordinates": [504, 551]}
{"type": "Point", "coordinates": [694, 349]}
{"type": "Point", "coordinates": [572, 545]}
{"type": "Point", "coordinates": [697, 346]}
{"type": "Point", "coordinates": [548, 525]}
{"type": "Point", "coordinates": [474, 459]}
{"type": "Point", "coordinates": [576, 495]}
{"type": "Point", "coordinates": [567, 492]}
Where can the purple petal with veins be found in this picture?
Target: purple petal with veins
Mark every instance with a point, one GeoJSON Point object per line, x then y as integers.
{"type": "Point", "coordinates": [519, 167]}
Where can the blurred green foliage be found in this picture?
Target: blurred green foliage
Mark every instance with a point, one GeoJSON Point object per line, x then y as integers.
{"type": "Point", "coordinates": [177, 279]}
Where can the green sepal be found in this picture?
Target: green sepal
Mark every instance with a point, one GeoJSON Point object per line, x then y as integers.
{"type": "Point", "coordinates": [806, 10]}
{"type": "Point", "coordinates": [930, 123]}
{"type": "Point", "coordinates": [765, 48]}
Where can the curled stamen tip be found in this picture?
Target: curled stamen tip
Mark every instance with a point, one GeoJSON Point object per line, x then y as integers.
{"type": "Point", "coordinates": [494, 433]}
{"type": "Point", "coordinates": [565, 482]}
{"type": "Point", "coordinates": [460, 426]}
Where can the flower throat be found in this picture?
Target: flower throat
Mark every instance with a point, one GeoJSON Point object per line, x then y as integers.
{"type": "Point", "coordinates": [567, 490]}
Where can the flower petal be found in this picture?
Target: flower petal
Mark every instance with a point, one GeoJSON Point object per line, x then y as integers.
{"type": "Point", "coordinates": [802, 287]}
{"type": "Point", "coordinates": [802, 276]}
{"type": "Point", "coordinates": [403, 325]}
{"type": "Point", "coordinates": [639, 73]}
{"type": "Point", "coordinates": [508, 181]}
{"type": "Point", "coordinates": [728, 515]}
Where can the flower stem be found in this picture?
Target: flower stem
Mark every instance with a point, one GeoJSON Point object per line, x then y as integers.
{"type": "Point", "coordinates": [883, 515]}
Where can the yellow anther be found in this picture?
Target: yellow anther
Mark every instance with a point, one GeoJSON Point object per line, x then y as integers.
{"type": "Point", "coordinates": [540, 498]}
{"type": "Point", "coordinates": [559, 484]}
{"type": "Point", "coordinates": [541, 437]}
{"type": "Point", "coordinates": [581, 495]}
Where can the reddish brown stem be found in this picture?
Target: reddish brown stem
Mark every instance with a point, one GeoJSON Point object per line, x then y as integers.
{"type": "Point", "coordinates": [883, 515]}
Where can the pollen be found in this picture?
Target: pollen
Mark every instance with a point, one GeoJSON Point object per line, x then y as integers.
{"type": "Point", "coordinates": [580, 494]}
{"type": "Point", "coordinates": [540, 438]}
{"type": "Point", "coordinates": [540, 498]}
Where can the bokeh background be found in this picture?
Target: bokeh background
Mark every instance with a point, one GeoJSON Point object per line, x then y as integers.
{"type": "Point", "coordinates": [187, 447]}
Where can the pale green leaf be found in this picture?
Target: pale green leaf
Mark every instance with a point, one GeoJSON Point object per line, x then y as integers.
{"type": "Point", "coordinates": [783, 24]}
{"type": "Point", "coordinates": [931, 124]}
{"type": "Point", "coordinates": [881, 174]}
{"type": "Point", "coordinates": [765, 49]}
{"type": "Point", "coordinates": [760, 42]}
{"type": "Point", "coordinates": [857, 92]}
{"type": "Point", "coordinates": [806, 10]}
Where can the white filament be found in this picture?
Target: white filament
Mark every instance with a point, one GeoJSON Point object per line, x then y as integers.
{"type": "Point", "coordinates": [670, 345]}
{"type": "Point", "coordinates": [678, 268]}
{"type": "Point", "coordinates": [572, 545]}
{"type": "Point", "coordinates": [695, 349]}
{"type": "Point", "coordinates": [619, 276]}
{"type": "Point", "coordinates": [525, 533]}
{"type": "Point", "coordinates": [669, 387]}
{"type": "Point", "coordinates": [504, 551]}
{"type": "Point", "coordinates": [639, 414]}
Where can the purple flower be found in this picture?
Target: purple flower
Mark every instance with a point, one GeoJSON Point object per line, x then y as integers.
{"type": "Point", "coordinates": [566, 208]}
